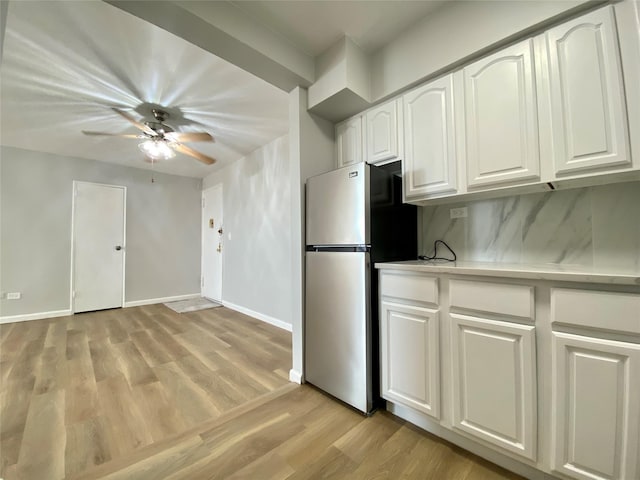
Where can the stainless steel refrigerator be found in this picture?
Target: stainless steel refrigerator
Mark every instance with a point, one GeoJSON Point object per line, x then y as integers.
{"type": "Point", "coordinates": [354, 218]}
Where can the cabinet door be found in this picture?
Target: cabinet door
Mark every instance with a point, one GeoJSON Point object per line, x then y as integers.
{"type": "Point", "coordinates": [410, 357]}
{"type": "Point", "coordinates": [349, 142]}
{"type": "Point", "coordinates": [596, 407]}
{"type": "Point", "coordinates": [382, 133]}
{"type": "Point", "coordinates": [494, 382]}
{"type": "Point", "coordinates": [587, 91]}
{"type": "Point", "coordinates": [429, 140]}
{"type": "Point", "coordinates": [502, 118]}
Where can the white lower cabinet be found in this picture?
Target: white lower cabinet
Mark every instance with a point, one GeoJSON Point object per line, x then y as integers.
{"type": "Point", "coordinates": [545, 374]}
{"type": "Point", "coordinates": [410, 356]}
{"type": "Point", "coordinates": [595, 407]}
{"type": "Point", "coordinates": [494, 382]}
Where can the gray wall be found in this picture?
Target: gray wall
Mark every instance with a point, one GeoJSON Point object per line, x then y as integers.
{"type": "Point", "coordinates": [587, 226]}
{"type": "Point", "coordinates": [311, 146]}
{"type": "Point", "coordinates": [256, 268]}
{"type": "Point", "coordinates": [163, 229]}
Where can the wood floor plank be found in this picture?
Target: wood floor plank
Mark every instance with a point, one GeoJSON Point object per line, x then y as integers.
{"type": "Point", "coordinates": [14, 342]}
{"type": "Point", "coordinates": [43, 441]}
{"type": "Point", "coordinates": [202, 341]}
{"type": "Point", "coordinates": [95, 325]}
{"type": "Point", "coordinates": [238, 452]}
{"type": "Point", "coordinates": [126, 427]}
{"type": "Point", "coordinates": [5, 329]}
{"type": "Point", "coordinates": [116, 333]}
{"type": "Point", "coordinates": [162, 416]}
{"type": "Point", "coordinates": [150, 349]}
{"type": "Point", "coordinates": [51, 371]}
{"type": "Point", "coordinates": [332, 464]}
{"type": "Point", "coordinates": [184, 438]}
{"type": "Point", "coordinates": [171, 346]}
{"type": "Point", "coordinates": [219, 392]}
{"type": "Point", "coordinates": [81, 391]}
{"type": "Point", "coordinates": [86, 446]}
{"type": "Point", "coordinates": [191, 401]}
{"type": "Point", "coordinates": [267, 378]}
{"type": "Point", "coordinates": [26, 361]}
{"type": "Point", "coordinates": [323, 426]}
{"type": "Point", "coordinates": [14, 408]}
{"type": "Point", "coordinates": [134, 366]}
{"type": "Point", "coordinates": [391, 459]}
{"type": "Point", "coordinates": [223, 448]}
{"type": "Point", "coordinates": [56, 336]}
{"type": "Point", "coordinates": [271, 466]}
{"type": "Point", "coordinates": [169, 322]}
{"type": "Point", "coordinates": [104, 360]}
{"type": "Point", "coordinates": [369, 435]}
{"type": "Point", "coordinates": [158, 466]}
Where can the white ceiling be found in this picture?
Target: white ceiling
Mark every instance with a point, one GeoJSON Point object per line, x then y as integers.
{"type": "Point", "coordinates": [315, 25]}
{"type": "Point", "coordinates": [66, 63]}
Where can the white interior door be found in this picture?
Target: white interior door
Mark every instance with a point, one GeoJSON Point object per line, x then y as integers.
{"type": "Point", "coordinates": [98, 246]}
{"type": "Point", "coordinates": [212, 244]}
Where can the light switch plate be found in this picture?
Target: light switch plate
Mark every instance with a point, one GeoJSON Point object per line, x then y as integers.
{"type": "Point", "coordinates": [14, 296]}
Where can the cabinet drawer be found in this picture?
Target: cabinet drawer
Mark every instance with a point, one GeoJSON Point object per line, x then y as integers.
{"type": "Point", "coordinates": [500, 298]}
{"type": "Point", "coordinates": [587, 308]}
{"type": "Point", "coordinates": [416, 287]}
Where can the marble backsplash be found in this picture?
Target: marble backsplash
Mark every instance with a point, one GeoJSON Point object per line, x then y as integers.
{"type": "Point", "coordinates": [597, 226]}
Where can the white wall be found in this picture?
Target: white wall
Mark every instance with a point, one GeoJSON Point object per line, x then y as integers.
{"type": "Point", "coordinates": [452, 33]}
{"type": "Point", "coordinates": [257, 257]}
{"type": "Point", "coordinates": [311, 146]}
{"type": "Point", "coordinates": [163, 229]}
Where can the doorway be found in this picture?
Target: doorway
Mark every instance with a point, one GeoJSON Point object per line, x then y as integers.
{"type": "Point", "coordinates": [212, 243]}
{"type": "Point", "coordinates": [97, 246]}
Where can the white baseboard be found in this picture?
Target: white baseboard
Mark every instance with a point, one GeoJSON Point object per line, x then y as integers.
{"type": "Point", "coordinates": [260, 316]}
{"type": "Point", "coordinates": [34, 316]}
{"type": "Point", "coordinates": [295, 376]}
{"type": "Point", "coordinates": [151, 301]}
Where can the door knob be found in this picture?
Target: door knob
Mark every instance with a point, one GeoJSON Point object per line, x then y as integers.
{"type": "Point", "coordinates": [118, 247]}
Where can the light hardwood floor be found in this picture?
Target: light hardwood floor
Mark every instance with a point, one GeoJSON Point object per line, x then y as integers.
{"type": "Point", "coordinates": [145, 393]}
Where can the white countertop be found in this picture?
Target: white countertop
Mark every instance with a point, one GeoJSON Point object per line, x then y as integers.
{"type": "Point", "coordinates": [572, 273]}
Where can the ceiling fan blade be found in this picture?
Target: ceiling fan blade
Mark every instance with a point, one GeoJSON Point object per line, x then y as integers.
{"type": "Point", "coordinates": [87, 132]}
{"type": "Point", "coordinates": [134, 122]}
{"type": "Point", "coordinates": [190, 137]}
{"type": "Point", "coordinates": [192, 153]}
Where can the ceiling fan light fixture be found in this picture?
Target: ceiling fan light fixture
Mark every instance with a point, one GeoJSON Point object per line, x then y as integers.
{"type": "Point", "coordinates": [157, 149]}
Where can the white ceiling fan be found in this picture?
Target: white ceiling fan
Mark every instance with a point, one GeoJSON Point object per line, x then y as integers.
{"type": "Point", "coordinates": [160, 140]}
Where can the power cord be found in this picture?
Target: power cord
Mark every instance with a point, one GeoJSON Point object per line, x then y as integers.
{"type": "Point", "coordinates": [435, 253]}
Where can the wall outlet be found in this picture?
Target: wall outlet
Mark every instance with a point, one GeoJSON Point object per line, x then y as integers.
{"type": "Point", "coordinates": [14, 296]}
{"type": "Point", "coordinates": [458, 212]}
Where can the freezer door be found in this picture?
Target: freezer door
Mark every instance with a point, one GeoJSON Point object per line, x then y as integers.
{"type": "Point", "coordinates": [338, 207]}
{"type": "Point", "coordinates": [337, 326]}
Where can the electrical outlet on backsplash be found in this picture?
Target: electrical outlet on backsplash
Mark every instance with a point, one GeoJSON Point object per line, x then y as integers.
{"type": "Point", "coordinates": [588, 226]}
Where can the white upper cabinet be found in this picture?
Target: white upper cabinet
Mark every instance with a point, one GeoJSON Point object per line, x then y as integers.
{"type": "Point", "coordinates": [596, 407]}
{"type": "Point", "coordinates": [383, 142]}
{"type": "Point", "coordinates": [429, 165]}
{"type": "Point", "coordinates": [502, 144]}
{"type": "Point", "coordinates": [349, 142]}
{"type": "Point", "coordinates": [587, 94]}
